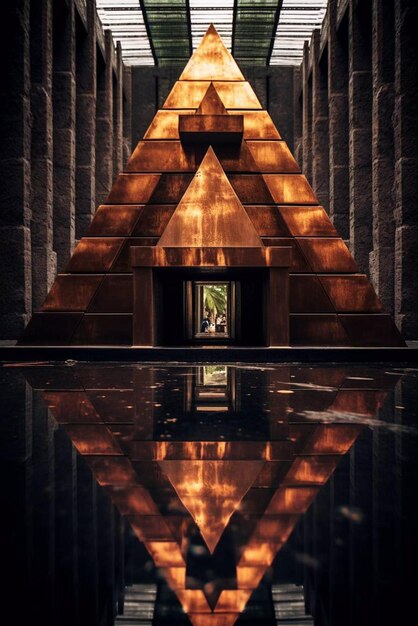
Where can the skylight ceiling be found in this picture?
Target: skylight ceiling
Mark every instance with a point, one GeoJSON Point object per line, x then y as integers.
{"type": "Point", "coordinates": [298, 18]}
{"type": "Point", "coordinates": [165, 32]}
{"type": "Point", "coordinates": [126, 21]}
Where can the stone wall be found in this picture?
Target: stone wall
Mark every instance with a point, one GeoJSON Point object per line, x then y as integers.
{"type": "Point", "coordinates": [65, 133]}
{"type": "Point", "coordinates": [356, 129]}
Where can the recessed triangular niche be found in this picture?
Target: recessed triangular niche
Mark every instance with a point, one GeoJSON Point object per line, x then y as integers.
{"type": "Point", "coordinates": [246, 191]}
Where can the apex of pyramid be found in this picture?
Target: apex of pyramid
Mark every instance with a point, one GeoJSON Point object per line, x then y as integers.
{"type": "Point", "coordinates": [208, 213]}
{"type": "Point", "coordinates": [211, 60]}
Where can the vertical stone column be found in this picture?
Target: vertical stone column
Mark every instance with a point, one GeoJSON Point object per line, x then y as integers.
{"type": "Point", "coordinates": [306, 114]}
{"type": "Point", "coordinates": [360, 134]}
{"type": "Point", "coordinates": [338, 121]}
{"type": "Point", "coordinates": [43, 256]}
{"type": "Point", "coordinates": [118, 114]}
{"type": "Point", "coordinates": [104, 122]}
{"type": "Point", "coordinates": [297, 119]}
{"type": "Point", "coordinates": [320, 122]}
{"type": "Point", "coordinates": [64, 104]}
{"type": "Point", "coordinates": [15, 186]}
{"type": "Point", "coordinates": [127, 114]}
{"type": "Point", "coordinates": [381, 258]}
{"type": "Point", "coordinates": [406, 167]}
{"type": "Point", "coordinates": [86, 121]}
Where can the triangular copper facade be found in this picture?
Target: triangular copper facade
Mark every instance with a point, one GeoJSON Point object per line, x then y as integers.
{"type": "Point", "coordinates": [331, 303]}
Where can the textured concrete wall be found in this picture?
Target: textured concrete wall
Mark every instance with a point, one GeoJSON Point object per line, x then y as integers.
{"type": "Point", "coordinates": [65, 110]}
{"type": "Point", "coordinates": [356, 129]}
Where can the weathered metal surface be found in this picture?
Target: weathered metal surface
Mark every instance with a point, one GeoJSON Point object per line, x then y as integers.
{"type": "Point", "coordinates": [71, 292]}
{"type": "Point", "coordinates": [317, 330]}
{"type": "Point", "coordinates": [258, 125]}
{"type": "Point", "coordinates": [327, 255]}
{"type": "Point", "coordinates": [251, 188]}
{"type": "Point", "coordinates": [290, 189]}
{"type": "Point", "coordinates": [162, 156]}
{"type": "Point", "coordinates": [307, 221]}
{"type": "Point", "coordinates": [209, 212]}
{"type": "Point", "coordinates": [368, 330]}
{"type": "Point", "coordinates": [299, 261]}
{"type": "Point", "coordinates": [133, 188]}
{"type": "Point", "coordinates": [267, 221]}
{"type": "Point", "coordinates": [104, 329]}
{"type": "Point", "coordinates": [212, 61]}
{"type": "Point", "coordinates": [308, 296]}
{"type": "Point", "coordinates": [189, 95]}
{"type": "Point", "coordinates": [351, 293]}
{"type": "Point", "coordinates": [48, 328]}
{"type": "Point", "coordinates": [123, 261]}
{"type": "Point", "coordinates": [170, 188]}
{"type": "Point", "coordinates": [219, 129]}
{"type": "Point", "coordinates": [95, 254]}
{"type": "Point", "coordinates": [114, 295]}
{"type": "Point", "coordinates": [273, 156]}
{"type": "Point", "coordinates": [159, 256]}
{"type": "Point", "coordinates": [211, 103]}
{"type": "Point", "coordinates": [165, 125]}
{"type": "Point", "coordinates": [114, 220]}
{"type": "Point", "coordinates": [153, 220]}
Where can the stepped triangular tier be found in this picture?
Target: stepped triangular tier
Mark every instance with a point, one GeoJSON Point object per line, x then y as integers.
{"type": "Point", "coordinates": [330, 302]}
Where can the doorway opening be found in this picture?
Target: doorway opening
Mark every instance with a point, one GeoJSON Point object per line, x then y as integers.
{"type": "Point", "coordinates": [213, 310]}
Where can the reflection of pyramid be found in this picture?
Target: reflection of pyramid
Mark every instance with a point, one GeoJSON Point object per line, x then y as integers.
{"type": "Point", "coordinates": [108, 414]}
{"type": "Point", "coordinates": [212, 105]}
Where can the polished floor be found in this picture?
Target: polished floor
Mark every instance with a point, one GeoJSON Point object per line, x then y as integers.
{"type": "Point", "coordinates": [209, 495]}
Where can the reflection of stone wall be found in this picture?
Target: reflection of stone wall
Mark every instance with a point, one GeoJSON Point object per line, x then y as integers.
{"type": "Point", "coordinates": [356, 131]}
{"type": "Point", "coordinates": [355, 550]}
{"type": "Point", "coordinates": [65, 114]}
{"type": "Point", "coordinates": [63, 541]}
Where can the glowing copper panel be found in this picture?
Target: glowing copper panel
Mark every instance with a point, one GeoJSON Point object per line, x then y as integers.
{"type": "Point", "coordinates": [212, 61]}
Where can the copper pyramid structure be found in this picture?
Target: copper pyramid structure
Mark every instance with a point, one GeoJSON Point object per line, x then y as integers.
{"type": "Point", "coordinates": [212, 117]}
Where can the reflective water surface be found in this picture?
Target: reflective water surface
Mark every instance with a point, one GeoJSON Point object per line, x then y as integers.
{"type": "Point", "coordinates": [208, 495]}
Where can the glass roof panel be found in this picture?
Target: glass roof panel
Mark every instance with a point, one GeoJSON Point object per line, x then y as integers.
{"type": "Point", "coordinates": [125, 19]}
{"type": "Point", "coordinates": [298, 18]}
{"type": "Point", "coordinates": [254, 28]}
{"type": "Point", "coordinates": [167, 31]}
{"type": "Point", "coordinates": [169, 27]}
{"type": "Point", "coordinates": [217, 12]}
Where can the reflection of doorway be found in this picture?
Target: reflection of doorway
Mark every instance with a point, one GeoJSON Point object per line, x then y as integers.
{"type": "Point", "coordinates": [213, 310]}
{"type": "Point", "coordinates": [212, 388]}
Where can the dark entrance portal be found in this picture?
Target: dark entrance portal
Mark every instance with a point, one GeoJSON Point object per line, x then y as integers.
{"type": "Point", "coordinates": [211, 308]}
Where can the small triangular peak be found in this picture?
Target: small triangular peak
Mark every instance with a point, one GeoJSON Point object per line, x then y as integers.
{"type": "Point", "coordinates": [210, 213]}
{"type": "Point", "coordinates": [211, 60]}
{"type": "Point", "coordinates": [211, 103]}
